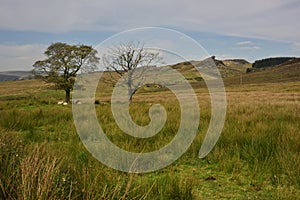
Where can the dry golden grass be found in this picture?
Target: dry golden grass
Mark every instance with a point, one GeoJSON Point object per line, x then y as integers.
{"type": "Point", "coordinates": [256, 157]}
{"type": "Point", "coordinates": [14, 88]}
{"type": "Point", "coordinates": [38, 173]}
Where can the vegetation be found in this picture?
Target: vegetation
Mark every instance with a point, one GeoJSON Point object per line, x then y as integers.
{"type": "Point", "coordinates": [62, 64]}
{"type": "Point", "coordinates": [270, 62]}
{"type": "Point", "coordinates": [256, 157]}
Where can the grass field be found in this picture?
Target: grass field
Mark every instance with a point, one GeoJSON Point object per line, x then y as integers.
{"type": "Point", "coordinates": [256, 157]}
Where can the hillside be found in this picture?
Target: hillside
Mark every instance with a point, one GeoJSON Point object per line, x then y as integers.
{"type": "Point", "coordinates": [227, 68]}
{"type": "Point", "coordinates": [15, 75]}
{"type": "Point", "coordinates": [270, 62]}
{"type": "Point", "coordinates": [285, 72]}
{"type": "Point", "coordinates": [238, 64]}
{"type": "Point", "coordinates": [234, 71]}
{"type": "Point", "coordinates": [256, 156]}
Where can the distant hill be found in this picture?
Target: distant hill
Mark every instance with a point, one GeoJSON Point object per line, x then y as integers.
{"type": "Point", "coordinates": [15, 75]}
{"type": "Point", "coordinates": [233, 71]}
{"type": "Point", "coordinates": [270, 62]}
{"type": "Point", "coordinates": [232, 67]}
{"type": "Point", "coordinates": [238, 64]}
{"type": "Point", "coordinates": [227, 68]}
{"type": "Point", "coordinates": [288, 71]}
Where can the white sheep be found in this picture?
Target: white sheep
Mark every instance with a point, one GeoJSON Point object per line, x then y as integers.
{"type": "Point", "coordinates": [77, 102]}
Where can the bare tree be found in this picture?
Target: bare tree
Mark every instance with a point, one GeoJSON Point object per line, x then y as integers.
{"type": "Point", "coordinates": [130, 61]}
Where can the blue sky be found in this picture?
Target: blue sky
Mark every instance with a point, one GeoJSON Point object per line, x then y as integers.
{"type": "Point", "coordinates": [228, 29]}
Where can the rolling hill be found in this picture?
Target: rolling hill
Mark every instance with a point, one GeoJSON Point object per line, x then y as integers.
{"type": "Point", "coordinates": [227, 68]}
{"type": "Point", "coordinates": [286, 72]}
{"type": "Point", "coordinates": [234, 71]}
{"type": "Point", "coordinates": [15, 75]}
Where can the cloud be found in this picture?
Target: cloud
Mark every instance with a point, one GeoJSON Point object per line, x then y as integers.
{"type": "Point", "coordinates": [251, 48]}
{"type": "Point", "coordinates": [20, 57]}
{"type": "Point", "coordinates": [296, 46]}
{"type": "Point", "coordinates": [244, 43]}
{"type": "Point", "coordinates": [247, 21]}
{"type": "Point", "coordinates": [271, 19]}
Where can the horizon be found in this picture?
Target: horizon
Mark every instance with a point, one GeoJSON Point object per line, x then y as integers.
{"type": "Point", "coordinates": [162, 65]}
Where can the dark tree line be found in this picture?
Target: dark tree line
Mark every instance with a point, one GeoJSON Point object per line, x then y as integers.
{"type": "Point", "coordinates": [270, 62]}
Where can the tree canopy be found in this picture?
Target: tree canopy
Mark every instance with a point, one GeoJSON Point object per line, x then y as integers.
{"type": "Point", "coordinates": [63, 63]}
{"type": "Point", "coordinates": [270, 62]}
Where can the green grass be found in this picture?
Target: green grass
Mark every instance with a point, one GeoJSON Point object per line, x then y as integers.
{"type": "Point", "coordinates": [256, 157]}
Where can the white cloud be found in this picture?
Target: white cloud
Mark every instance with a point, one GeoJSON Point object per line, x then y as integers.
{"type": "Point", "coordinates": [20, 57]}
{"type": "Point", "coordinates": [244, 43]}
{"type": "Point", "coordinates": [296, 46]}
{"type": "Point", "coordinates": [271, 19]}
{"type": "Point", "coordinates": [251, 48]}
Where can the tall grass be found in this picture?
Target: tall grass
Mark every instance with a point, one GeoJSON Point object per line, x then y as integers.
{"type": "Point", "coordinates": [257, 156]}
{"type": "Point", "coordinates": [38, 172]}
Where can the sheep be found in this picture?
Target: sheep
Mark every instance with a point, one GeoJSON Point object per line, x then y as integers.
{"type": "Point", "coordinates": [77, 102]}
{"type": "Point", "coordinates": [66, 103]}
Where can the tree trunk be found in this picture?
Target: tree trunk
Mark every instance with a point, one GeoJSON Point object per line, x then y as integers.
{"type": "Point", "coordinates": [67, 99]}
{"type": "Point", "coordinates": [130, 96]}
{"type": "Point", "coordinates": [131, 92]}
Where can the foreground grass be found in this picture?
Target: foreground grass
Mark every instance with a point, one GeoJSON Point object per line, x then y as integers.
{"type": "Point", "coordinates": [257, 156]}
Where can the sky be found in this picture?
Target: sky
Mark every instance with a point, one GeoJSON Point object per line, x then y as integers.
{"type": "Point", "coordinates": [227, 29]}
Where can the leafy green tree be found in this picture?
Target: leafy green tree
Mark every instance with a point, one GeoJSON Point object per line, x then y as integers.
{"type": "Point", "coordinates": [63, 63]}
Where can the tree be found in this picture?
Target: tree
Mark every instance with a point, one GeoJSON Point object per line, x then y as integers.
{"type": "Point", "coordinates": [270, 62]}
{"type": "Point", "coordinates": [63, 63]}
{"type": "Point", "coordinates": [125, 59]}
